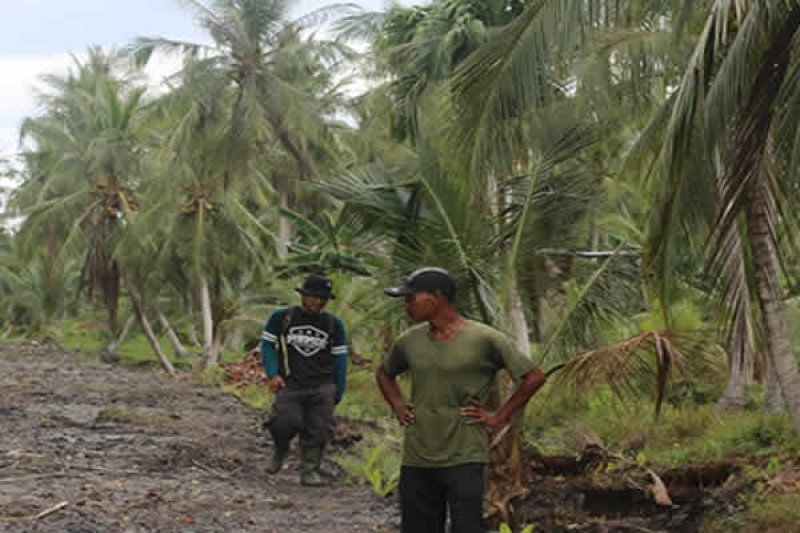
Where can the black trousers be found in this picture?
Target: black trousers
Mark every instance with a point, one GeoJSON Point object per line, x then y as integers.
{"type": "Point", "coordinates": [427, 493]}
{"type": "Point", "coordinates": [307, 411]}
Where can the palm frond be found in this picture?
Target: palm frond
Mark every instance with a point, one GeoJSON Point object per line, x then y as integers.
{"type": "Point", "coordinates": [657, 355]}
{"type": "Point", "coordinates": [601, 300]}
{"type": "Point", "coordinates": [363, 25]}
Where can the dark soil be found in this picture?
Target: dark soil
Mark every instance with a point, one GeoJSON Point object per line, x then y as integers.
{"type": "Point", "coordinates": [583, 494]}
{"type": "Point", "coordinates": [135, 451]}
{"type": "Point", "coordinates": [88, 447]}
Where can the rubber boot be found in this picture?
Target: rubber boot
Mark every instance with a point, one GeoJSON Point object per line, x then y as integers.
{"type": "Point", "coordinates": [310, 461]}
{"type": "Point", "coordinates": [276, 463]}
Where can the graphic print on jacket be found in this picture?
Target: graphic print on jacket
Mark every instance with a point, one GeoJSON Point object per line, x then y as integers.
{"type": "Point", "coordinates": [306, 339]}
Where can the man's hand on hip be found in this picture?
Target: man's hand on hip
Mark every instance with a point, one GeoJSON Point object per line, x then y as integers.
{"type": "Point", "coordinates": [480, 415]}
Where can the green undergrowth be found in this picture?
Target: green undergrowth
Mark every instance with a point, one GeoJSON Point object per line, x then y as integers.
{"type": "Point", "coordinates": [684, 433]}
{"type": "Point", "coordinates": [375, 460]}
{"type": "Point", "coordinates": [760, 513]}
{"type": "Point", "coordinates": [90, 337]}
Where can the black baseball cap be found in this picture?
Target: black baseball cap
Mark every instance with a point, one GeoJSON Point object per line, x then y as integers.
{"type": "Point", "coordinates": [426, 279]}
{"type": "Point", "coordinates": [318, 286]}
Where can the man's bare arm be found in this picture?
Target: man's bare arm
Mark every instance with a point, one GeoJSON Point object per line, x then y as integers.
{"type": "Point", "coordinates": [394, 397]}
{"type": "Point", "coordinates": [529, 384]}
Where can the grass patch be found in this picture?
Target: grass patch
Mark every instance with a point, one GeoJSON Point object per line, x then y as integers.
{"type": "Point", "coordinates": [752, 434]}
{"type": "Point", "coordinates": [253, 394]}
{"type": "Point", "coordinates": [777, 513]}
{"type": "Point", "coordinates": [81, 336]}
{"type": "Point", "coordinates": [213, 375]}
{"type": "Point", "coordinates": [362, 399]}
{"type": "Point", "coordinates": [684, 433]}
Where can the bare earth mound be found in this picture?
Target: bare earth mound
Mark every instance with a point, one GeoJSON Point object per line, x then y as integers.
{"type": "Point", "coordinates": [97, 448]}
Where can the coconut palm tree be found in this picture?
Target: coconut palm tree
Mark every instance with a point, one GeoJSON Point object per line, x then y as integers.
{"type": "Point", "coordinates": [81, 175]}
{"type": "Point", "coordinates": [254, 115]}
{"type": "Point", "coordinates": [281, 90]}
{"type": "Point", "coordinates": [737, 101]}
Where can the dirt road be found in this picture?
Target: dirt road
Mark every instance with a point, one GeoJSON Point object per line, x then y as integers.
{"type": "Point", "coordinates": [89, 447]}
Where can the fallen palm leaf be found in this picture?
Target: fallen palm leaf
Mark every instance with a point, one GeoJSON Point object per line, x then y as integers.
{"type": "Point", "coordinates": [659, 490]}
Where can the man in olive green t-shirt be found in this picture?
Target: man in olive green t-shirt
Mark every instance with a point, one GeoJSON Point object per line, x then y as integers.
{"type": "Point", "coordinates": [452, 362]}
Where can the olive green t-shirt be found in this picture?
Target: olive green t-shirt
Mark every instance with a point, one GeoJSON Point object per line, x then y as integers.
{"type": "Point", "coordinates": [445, 376]}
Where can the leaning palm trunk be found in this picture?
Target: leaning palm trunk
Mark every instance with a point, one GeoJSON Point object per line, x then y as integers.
{"type": "Point", "coordinates": [779, 352]}
{"type": "Point", "coordinates": [138, 309]}
{"type": "Point", "coordinates": [126, 331]}
{"type": "Point", "coordinates": [177, 346]}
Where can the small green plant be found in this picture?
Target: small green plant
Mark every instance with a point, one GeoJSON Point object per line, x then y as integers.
{"type": "Point", "coordinates": [213, 375]}
{"type": "Point", "coordinates": [252, 394]}
{"type": "Point", "coordinates": [505, 528]}
{"type": "Point", "coordinates": [382, 477]}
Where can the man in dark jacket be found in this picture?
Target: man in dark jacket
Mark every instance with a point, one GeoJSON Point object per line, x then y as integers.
{"type": "Point", "coordinates": [304, 352]}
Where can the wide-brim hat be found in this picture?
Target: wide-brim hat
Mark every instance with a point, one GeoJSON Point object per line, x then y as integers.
{"type": "Point", "coordinates": [318, 286]}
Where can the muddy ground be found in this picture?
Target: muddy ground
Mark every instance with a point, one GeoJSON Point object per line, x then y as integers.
{"type": "Point", "coordinates": [134, 451]}
{"type": "Point", "coordinates": [88, 447]}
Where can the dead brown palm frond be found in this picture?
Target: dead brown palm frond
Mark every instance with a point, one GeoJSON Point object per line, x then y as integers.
{"type": "Point", "coordinates": [625, 365]}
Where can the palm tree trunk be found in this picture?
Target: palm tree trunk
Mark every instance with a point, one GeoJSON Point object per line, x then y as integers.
{"type": "Point", "coordinates": [233, 341]}
{"type": "Point", "coordinates": [735, 396]}
{"type": "Point", "coordinates": [177, 346]}
{"type": "Point", "coordinates": [191, 328]}
{"type": "Point", "coordinates": [537, 282]}
{"type": "Point", "coordinates": [111, 296]}
{"type": "Point", "coordinates": [773, 399]}
{"type": "Point", "coordinates": [210, 351]}
{"type": "Point", "coordinates": [507, 477]}
{"type": "Point", "coordinates": [138, 309]}
{"type": "Point", "coordinates": [192, 333]}
{"type": "Point", "coordinates": [519, 324]}
{"type": "Point", "coordinates": [284, 226]}
{"type": "Point", "coordinates": [126, 330]}
{"type": "Point", "coordinates": [779, 352]}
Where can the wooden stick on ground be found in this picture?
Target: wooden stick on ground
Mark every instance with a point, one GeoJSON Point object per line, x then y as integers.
{"type": "Point", "coordinates": [51, 510]}
{"type": "Point", "coordinates": [39, 516]}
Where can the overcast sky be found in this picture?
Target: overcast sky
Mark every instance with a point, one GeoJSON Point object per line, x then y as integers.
{"type": "Point", "coordinates": [38, 36]}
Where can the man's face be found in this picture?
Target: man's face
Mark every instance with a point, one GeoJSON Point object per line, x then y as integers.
{"type": "Point", "coordinates": [421, 306]}
{"type": "Point", "coordinates": [315, 304]}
